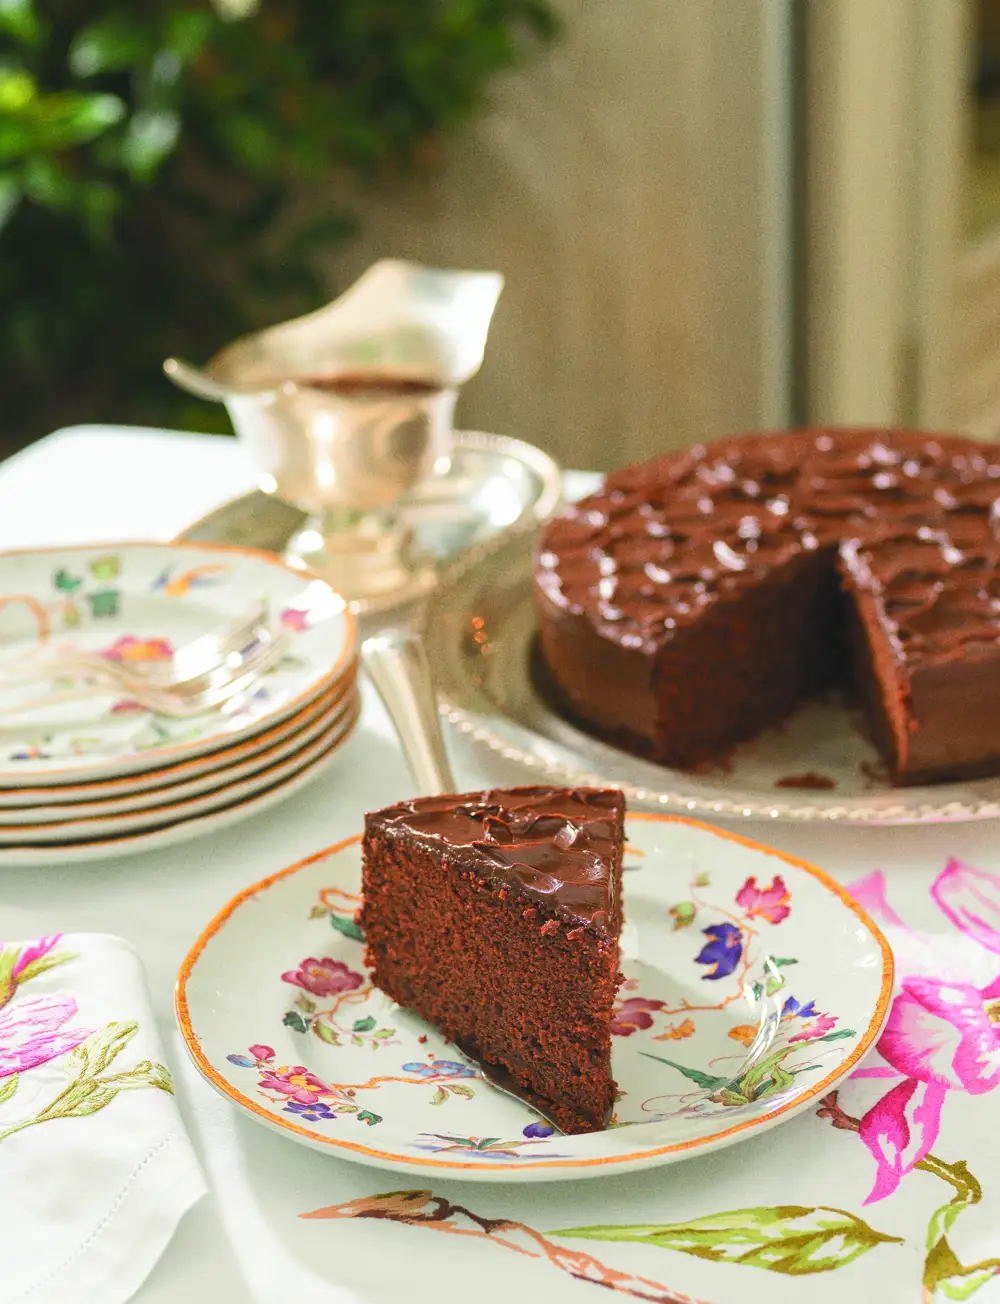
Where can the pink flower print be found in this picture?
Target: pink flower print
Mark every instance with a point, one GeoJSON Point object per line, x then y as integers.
{"type": "Point", "coordinates": [324, 977]}
{"type": "Point", "coordinates": [32, 952]}
{"type": "Point", "coordinates": [941, 1035]}
{"type": "Point", "coordinates": [946, 1032]}
{"type": "Point", "coordinates": [770, 903]}
{"type": "Point", "coordinates": [32, 1033]}
{"type": "Point", "coordinates": [869, 893]}
{"type": "Point", "coordinates": [295, 619]}
{"type": "Point", "coordinates": [260, 1052]}
{"type": "Point", "coordinates": [296, 1083]}
{"type": "Point", "coordinates": [633, 1014]}
{"type": "Point", "coordinates": [821, 1024]}
{"type": "Point", "coordinates": [18, 965]}
{"type": "Point", "coordinates": [129, 648]}
{"type": "Point", "coordinates": [970, 898]}
{"type": "Point", "coordinates": [900, 1130]}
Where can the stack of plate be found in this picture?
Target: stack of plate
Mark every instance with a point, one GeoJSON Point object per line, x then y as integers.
{"type": "Point", "coordinates": [87, 778]}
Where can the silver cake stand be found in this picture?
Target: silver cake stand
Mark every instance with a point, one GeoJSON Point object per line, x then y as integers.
{"type": "Point", "coordinates": [487, 489]}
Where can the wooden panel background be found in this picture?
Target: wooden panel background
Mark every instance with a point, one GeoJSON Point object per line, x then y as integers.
{"type": "Point", "coordinates": [630, 186]}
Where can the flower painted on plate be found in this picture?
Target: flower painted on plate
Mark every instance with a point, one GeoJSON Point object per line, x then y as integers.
{"type": "Point", "coordinates": [259, 1056]}
{"type": "Point", "coordinates": [793, 1010]}
{"type": "Point", "coordinates": [440, 1069]}
{"type": "Point", "coordinates": [722, 951]}
{"type": "Point", "coordinates": [295, 619]}
{"type": "Point", "coordinates": [297, 1083]}
{"type": "Point", "coordinates": [33, 1032]}
{"type": "Point", "coordinates": [822, 1024]}
{"type": "Point", "coordinates": [179, 586]}
{"type": "Point", "coordinates": [634, 1014]}
{"type": "Point", "coordinates": [770, 903]}
{"type": "Point", "coordinates": [128, 648]}
{"type": "Point", "coordinates": [313, 1113]}
{"type": "Point", "coordinates": [538, 1129]}
{"type": "Point", "coordinates": [326, 977]}
{"type": "Point", "coordinates": [744, 1033]}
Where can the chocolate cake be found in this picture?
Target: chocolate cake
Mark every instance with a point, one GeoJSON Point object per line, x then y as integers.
{"type": "Point", "coordinates": [495, 916]}
{"type": "Point", "coordinates": [696, 598]}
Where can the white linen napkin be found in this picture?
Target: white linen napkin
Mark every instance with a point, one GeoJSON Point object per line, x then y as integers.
{"type": "Point", "coordinates": [96, 1169]}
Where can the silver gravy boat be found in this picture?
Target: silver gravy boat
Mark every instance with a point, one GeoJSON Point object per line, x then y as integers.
{"type": "Point", "coordinates": [347, 409]}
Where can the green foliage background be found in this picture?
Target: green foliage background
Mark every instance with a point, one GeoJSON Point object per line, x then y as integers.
{"type": "Point", "coordinates": [154, 155]}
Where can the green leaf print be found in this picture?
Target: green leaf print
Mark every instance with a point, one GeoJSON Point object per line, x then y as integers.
{"type": "Point", "coordinates": [64, 582]}
{"type": "Point", "coordinates": [44, 962]}
{"type": "Point", "coordinates": [945, 1276]}
{"type": "Point", "coordinates": [364, 1025]}
{"type": "Point", "coordinates": [293, 1019]}
{"type": "Point", "coordinates": [88, 1091]}
{"type": "Point", "coordinates": [103, 602]}
{"type": "Point", "coordinates": [346, 925]}
{"type": "Point", "coordinates": [325, 1033]}
{"type": "Point", "coordinates": [7, 1087]}
{"type": "Point", "coordinates": [780, 961]}
{"type": "Point", "coordinates": [705, 1080]}
{"type": "Point", "coordinates": [789, 1239]}
{"type": "Point", "coordinates": [96, 1053]}
{"type": "Point", "coordinates": [439, 1097]}
{"type": "Point", "coordinates": [105, 568]}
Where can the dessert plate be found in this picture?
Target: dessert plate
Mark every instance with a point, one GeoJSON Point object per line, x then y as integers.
{"type": "Point", "coordinates": [136, 602]}
{"type": "Point", "coordinates": [479, 634]}
{"type": "Point", "coordinates": [131, 791]}
{"type": "Point", "coordinates": [176, 828]}
{"type": "Point", "coordinates": [70, 823]}
{"type": "Point", "coordinates": [753, 984]}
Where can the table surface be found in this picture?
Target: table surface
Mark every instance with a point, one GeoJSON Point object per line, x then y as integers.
{"type": "Point", "coordinates": [97, 484]}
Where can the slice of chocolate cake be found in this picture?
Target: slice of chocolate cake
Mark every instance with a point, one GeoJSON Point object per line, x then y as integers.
{"type": "Point", "coordinates": [495, 916]}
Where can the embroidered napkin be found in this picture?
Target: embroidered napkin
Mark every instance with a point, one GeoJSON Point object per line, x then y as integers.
{"type": "Point", "coordinates": [96, 1169]}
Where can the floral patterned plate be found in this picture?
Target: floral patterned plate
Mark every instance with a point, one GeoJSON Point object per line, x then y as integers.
{"type": "Point", "coordinates": [136, 602]}
{"type": "Point", "coordinates": [181, 803]}
{"type": "Point", "coordinates": [753, 983]}
{"type": "Point", "coordinates": [177, 828]}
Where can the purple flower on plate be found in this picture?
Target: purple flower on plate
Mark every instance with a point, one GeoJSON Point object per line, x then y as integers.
{"type": "Point", "coordinates": [539, 1129]}
{"type": "Point", "coordinates": [722, 951]}
{"type": "Point", "coordinates": [326, 977]}
{"type": "Point", "coordinates": [793, 1010]}
{"type": "Point", "coordinates": [440, 1069]}
{"type": "Point", "coordinates": [313, 1113]}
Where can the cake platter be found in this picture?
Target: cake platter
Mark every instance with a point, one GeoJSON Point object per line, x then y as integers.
{"type": "Point", "coordinates": [753, 983]}
{"type": "Point", "coordinates": [479, 633]}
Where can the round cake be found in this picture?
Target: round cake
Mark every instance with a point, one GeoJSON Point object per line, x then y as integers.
{"type": "Point", "coordinates": [696, 598]}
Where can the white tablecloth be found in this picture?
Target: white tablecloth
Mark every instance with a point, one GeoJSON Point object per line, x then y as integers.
{"type": "Point", "coordinates": [92, 484]}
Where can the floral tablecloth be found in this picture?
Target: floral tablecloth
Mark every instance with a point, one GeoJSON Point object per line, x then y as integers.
{"type": "Point", "coordinates": [889, 1189]}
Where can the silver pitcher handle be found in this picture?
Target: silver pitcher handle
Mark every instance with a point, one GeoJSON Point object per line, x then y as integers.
{"type": "Point", "coordinates": [397, 665]}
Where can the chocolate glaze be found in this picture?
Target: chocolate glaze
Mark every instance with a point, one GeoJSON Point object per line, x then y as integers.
{"type": "Point", "coordinates": [555, 845]}
{"type": "Point", "coordinates": [915, 518]}
{"type": "Point", "coordinates": [693, 600]}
